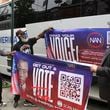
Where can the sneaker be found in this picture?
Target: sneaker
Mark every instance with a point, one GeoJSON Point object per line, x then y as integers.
{"type": "Point", "coordinates": [3, 104]}
{"type": "Point", "coordinates": [15, 104]}
{"type": "Point", "coordinates": [27, 104]}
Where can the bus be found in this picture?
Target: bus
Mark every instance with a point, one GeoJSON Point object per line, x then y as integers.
{"type": "Point", "coordinates": [59, 14]}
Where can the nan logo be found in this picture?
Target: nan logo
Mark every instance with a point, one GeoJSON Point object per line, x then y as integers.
{"type": "Point", "coordinates": [95, 40]}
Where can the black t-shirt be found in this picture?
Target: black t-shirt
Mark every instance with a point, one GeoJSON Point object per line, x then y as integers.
{"type": "Point", "coordinates": [20, 44]}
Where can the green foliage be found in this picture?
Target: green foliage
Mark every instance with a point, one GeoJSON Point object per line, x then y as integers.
{"type": "Point", "coordinates": [23, 12]}
{"type": "Point", "coordinates": [6, 84]}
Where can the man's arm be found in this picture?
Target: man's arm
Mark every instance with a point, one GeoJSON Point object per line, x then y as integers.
{"type": "Point", "coordinates": [41, 35]}
{"type": "Point", "coordinates": [3, 53]}
{"type": "Point", "coordinates": [33, 40]}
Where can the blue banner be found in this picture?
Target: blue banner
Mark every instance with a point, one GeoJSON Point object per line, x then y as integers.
{"type": "Point", "coordinates": [83, 45]}
{"type": "Point", "coordinates": [54, 84]}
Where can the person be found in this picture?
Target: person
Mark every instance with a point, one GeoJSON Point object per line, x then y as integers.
{"type": "Point", "coordinates": [23, 75]}
{"type": "Point", "coordinates": [25, 78]}
{"type": "Point", "coordinates": [103, 73]}
{"type": "Point", "coordinates": [26, 45]}
{"type": "Point", "coordinates": [3, 53]}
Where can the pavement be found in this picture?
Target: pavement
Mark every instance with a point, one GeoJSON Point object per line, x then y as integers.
{"type": "Point", "coordinates": [8, 98]}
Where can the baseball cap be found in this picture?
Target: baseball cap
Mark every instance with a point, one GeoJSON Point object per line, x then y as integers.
{"type": "Point", "coordinates": [20, 32]}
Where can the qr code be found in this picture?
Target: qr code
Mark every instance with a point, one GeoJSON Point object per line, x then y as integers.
{"type": "Point", "coordinates": [70, 87]}
{"type": "Point", "coordinates": [108, 37]}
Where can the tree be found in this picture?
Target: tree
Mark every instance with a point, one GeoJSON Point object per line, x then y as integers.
{"type": "Point", "coordinates": [23, 13]}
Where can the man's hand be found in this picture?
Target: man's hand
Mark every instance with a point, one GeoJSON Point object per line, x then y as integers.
{"type": "Point", "coordinates": [12, 53]}
{"type": "Point", "coordinates": [41, 35]}
{"type": "Point", "coordinates": [94, 68]}
{"type": "Point", "coordinates": [49, 29]}
{"type": "Point", "coordinates": [8, 53]}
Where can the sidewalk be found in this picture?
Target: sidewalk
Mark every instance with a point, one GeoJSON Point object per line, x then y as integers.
{"type": "Point", "coordinates": [8, 98]}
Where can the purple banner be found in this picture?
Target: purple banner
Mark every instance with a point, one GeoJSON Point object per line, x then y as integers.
{"type": "Point", "coordinates": [56, 85]}
{"type": "Point", "coordinates": [83, 45]}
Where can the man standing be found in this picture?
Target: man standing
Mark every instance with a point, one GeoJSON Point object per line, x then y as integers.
{"type": "Point", "coordinates": [103, 74]}
{"type": "Point", "coordinates": [25, 45]}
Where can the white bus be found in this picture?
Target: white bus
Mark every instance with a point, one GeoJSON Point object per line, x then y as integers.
{"type": "Point", "coordinates": [59, 14]}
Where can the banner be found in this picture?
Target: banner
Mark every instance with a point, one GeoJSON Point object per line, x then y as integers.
{"type": "Point", "coordinates": [56, 85]}
{"type": "Point", "coordinates": [83, 45]}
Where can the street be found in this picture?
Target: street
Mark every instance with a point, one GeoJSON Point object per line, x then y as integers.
{"type": "Point", "coordinates": [8, 98]}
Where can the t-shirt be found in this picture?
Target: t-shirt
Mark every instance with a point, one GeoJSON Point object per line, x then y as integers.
{"type": "Point", "coordinates": [29, 42]}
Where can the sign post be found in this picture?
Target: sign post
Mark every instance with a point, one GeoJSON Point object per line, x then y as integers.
{"type": "Point", "coordinates": [12, 22]}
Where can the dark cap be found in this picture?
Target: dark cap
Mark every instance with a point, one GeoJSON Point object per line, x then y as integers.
{"type": "Point", "coordinates": [20, 32]}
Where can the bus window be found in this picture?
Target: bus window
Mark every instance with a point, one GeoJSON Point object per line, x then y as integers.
{"type": "Point", "coordinates": [47, 10]}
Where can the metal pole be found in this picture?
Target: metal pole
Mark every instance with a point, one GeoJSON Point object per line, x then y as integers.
{"type": "Point", "coordinates": [12, 23]}
{"type": "Point", "coordinates": [46, 9]}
